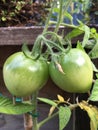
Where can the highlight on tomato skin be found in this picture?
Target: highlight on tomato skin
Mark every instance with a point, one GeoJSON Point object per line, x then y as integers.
{"type": "Point", "coordinates": [23, 76]}
{"type": "Point", "coordinates": [77, 72]}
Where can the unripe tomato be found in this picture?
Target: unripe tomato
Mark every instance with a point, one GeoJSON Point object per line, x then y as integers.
{"type": "Point", "coordinates": [23, 76]}
{"type": "Point", "coordinates": [77, 72]}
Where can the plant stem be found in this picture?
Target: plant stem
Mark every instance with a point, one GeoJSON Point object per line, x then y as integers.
{"type": "Point", "coordinates": [62, 12]}
{"type": "Point", "coordinates": [36, 48]}
{"type": "Point", "coordinates": [59, 38]}
{"type": "Point", "coordinates": [52, 43]}
{"type": "Point", "coordinates": [49, 17]}
{"type": "Point", "coordinates": [34, 118]}
{"type": "Point", "coordinates": [38, 40]}
{"type": "Point", "coordinates": [47, 119]}
{"type": "Point", "coordinates": [59, 16]}
{"type": "Point", "coordinates": [68, 3]}
{"type": "Point", "coordinates": [64, 24]}
{"type": "Point", "coordinates": [72, 106]}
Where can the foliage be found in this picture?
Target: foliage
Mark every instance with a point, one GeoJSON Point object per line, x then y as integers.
{"type": "Point", "coordinates": [83, 10]}
{"type": "Point", "coordinates": [64, 116]}
{"type": "Point", "coordinates": [87, 9]}
{"type": "Point", "coordinates": [94, 93]}
{"type": "Point", "coordinates": [7, 106]}
{"type": "Point", "coordinates": [92, 112]}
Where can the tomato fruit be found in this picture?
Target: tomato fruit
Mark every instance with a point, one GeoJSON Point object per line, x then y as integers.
{"type": "Point", "coordinates": [77, 72]}
{"type": "Point", "coordinates": [23, 76]}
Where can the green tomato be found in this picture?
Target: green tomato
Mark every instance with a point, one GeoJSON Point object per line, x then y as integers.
{"type": "Point", "coordinates": [23, 76]}
{"type": "Point", "coordinates": [76, 72]}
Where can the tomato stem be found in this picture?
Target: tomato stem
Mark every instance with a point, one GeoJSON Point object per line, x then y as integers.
{"type": "Point", "coordinates": [36, 50]}
{"type": "Point", "coordinates": [37, 44]}
{"type": "Point", "coordinates": [49, 17]}
{"type": "Point", "coordinates": [59, 38]}
{"type": "Point", "coordinates": [52, 43]}
{"type": "Point", "coordinates": [47, 119]}
{"type": "Point", "coordinates": [59, 16]}
{"type": "Point", "coordinates": [40, 124]}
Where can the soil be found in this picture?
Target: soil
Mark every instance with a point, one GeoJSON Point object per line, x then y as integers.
{"type": "Point", "coordinates": [28, 14]}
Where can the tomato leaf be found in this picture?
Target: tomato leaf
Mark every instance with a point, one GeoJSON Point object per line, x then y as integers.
{"type": "Point", "coordinates": [48, 101]}
{"type": "Point", "coordinates": [86, 35]}
{"type": "Point", "coordinates": [74, 33]}
{"type": "Point", "coordinates": [94, 67]}
{"type": "Point", "coordinates": [7, 107]}
{"type": "Point", "coordinates": [91, 111]}
{"type": "Point", "coordinates": [93, 30]}
{"type": "Point", "coordinates": [94, 121]}
{"type": "Point", "coordinates": [90, 44]}
{"type": "Point", "coordinates": [94, 52]}
{"type": "Point", "coordinates": [64, 116]}
{"type": "Point", "coordinates": [69, 16]}
{"type": "Point", "coordinates": [56, 10]}
{"type": "Point", "coordinates": [79, 46]}
{"type": "Point", "coordinates": [94, 93]}
{"type": "Point", "coordinates": [97, 76]}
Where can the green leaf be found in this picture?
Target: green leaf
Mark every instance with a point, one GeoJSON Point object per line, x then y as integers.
{"type": "Point", "coordinates": [56, 10]}
{"type": "Point", "coordinates": [79, 46]}
{"type": "Point", "coordinates": [94, 93]}
{"type": "Point", "coordinates": [68, 15]}
{"type": "Point", "coordinates": [94, 67]}
{"type": "Point", "coordinates": [94, 52]}
{"type": "Point", "coordinates": [90, 44]}
{"type": "Point", "coordinates": [93, 30]}
{"type": "Point", "coordinates": [7, 107]}
{"type": "Point", "coordinates": [74, 33]}
{"type": "Point", "coordinates": [86, 5]}
{"type": "Point", "coordinates": [86, 35]}
{"type": "Point", "coordinates": [97, 76]}
{"type": "Point", "coordinates": [48, 101]}
{"type": "Point", "coordinates": [64, 116]}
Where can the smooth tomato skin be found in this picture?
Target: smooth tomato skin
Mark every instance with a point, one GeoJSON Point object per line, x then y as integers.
{"type": "Point", "coordinates": [23, 76]}
{"type": "Point", "coordinates": [78, 72]}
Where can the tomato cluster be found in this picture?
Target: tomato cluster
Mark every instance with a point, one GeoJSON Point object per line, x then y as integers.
{"type": "Point", "coordinates": [72, 72]}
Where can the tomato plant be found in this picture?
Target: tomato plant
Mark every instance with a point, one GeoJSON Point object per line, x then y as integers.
{"type": "Point", "coordinates": [71, 69]}
{"type": "Point", "coordinates": [23, 76]}
{"type": "Point", "coordinates": [77, 72]}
